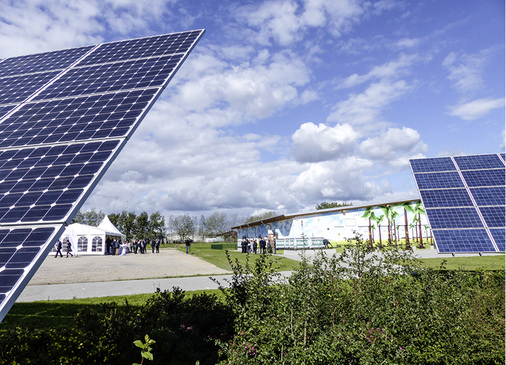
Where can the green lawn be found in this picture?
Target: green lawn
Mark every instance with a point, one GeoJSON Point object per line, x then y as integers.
{"type": "Point", "coordinates": [495, 262]}
{"type": "Point", "coordinates": [218, 256]}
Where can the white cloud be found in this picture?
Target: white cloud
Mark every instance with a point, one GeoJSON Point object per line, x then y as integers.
{"type": "Point", "coordinates": [408, 42]}
{"type": "Point", "coordinates": [364, 108]}
{"type": "Point", "coordinates": [466, 71]}
{"type": "Point", "coordinates": [390, 70]}
{"type": "Point", "coordinates": [477, 108]}
{"type": "Point", "coordinates": [314, 143]}
{"type": "Point", "coordinates": [285, 21]}
{"type": "Point", "coordinates": [224, 94]}
{"type": "Point", "coordinates": [393, 146]}
{"type": "Point", "coordinates": [336, 180]}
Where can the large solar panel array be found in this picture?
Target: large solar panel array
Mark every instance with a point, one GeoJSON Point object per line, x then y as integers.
{"type": "Point", "coordinates": [64, 117]}
{"type": "Point", "coordinates": [464, 197]}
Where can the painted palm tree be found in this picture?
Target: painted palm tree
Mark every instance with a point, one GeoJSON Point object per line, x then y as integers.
{"type": "Point", "coordinates": [378, 220]}
{"type": "Point", "coordinates": [369, 214]}
{"type": "Point", "coordinates": [394, 215]}
{"type": "Point", "coordinates": [407, 208]}
{"type": "Point", "coordinates": [418, 210]}
{"type": "Point", "coordinates": [387, 210]}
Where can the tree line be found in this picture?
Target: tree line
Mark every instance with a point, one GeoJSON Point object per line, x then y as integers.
{"type": "Point", "coordinates": [155, 226]}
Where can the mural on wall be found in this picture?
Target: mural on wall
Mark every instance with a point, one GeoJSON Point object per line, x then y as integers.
{"type": "Point", "coordinates": [384, 224]}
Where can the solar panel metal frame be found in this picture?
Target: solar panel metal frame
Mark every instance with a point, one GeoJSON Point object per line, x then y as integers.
{"type": "Point", "coordinates": [20, 136]}
{"type": "Point", "coordinates": [479, 176]}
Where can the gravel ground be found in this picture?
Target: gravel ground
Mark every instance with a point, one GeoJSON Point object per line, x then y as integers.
{"type": "Point", "coordinates": [86, 269]}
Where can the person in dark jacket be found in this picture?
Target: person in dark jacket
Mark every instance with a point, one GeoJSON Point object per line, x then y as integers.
{"type": "Point", "coordinates": [58, 249]}
{"type": "Point", "coordinates": [69, 249]}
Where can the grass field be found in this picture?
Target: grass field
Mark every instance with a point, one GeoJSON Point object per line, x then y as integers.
{"type": "Point", "coordinates": [217, 256]}
{"type": "Point", "coordinates": [495, 262]}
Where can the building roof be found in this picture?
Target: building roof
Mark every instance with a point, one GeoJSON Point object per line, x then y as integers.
{"type": "Point", "coordinates": [320, 211]}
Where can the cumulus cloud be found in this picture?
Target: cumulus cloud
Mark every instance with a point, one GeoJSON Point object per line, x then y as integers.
{"type": "Point", "coordinates": [336, 180]}
{"type": "Point", "coordinates": [285, 21]}
{"type": "Point", "coordinates": [364, 108]}
{"type": "Point", "coordinates": [243, 91]}
{"type": "Point", "coordinates": [314, 143]}
{"type": "Point", "coordinates": [477, 108]}
{"type": "Point", "coordinates": [36, 26]}
{"type": "Point", "coordinates": [393, 146]}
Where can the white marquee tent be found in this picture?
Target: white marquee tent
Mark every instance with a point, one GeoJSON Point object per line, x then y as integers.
{"type": "Point", "coordinates": [90, 240]}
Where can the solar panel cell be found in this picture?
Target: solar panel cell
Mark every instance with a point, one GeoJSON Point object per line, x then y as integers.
{"type": "Point", "coordinates": [432, 165]}
{"type": "Point", "coordinates": [454, 218]}
{"type": "Point", "coordinates": [494, 216]}
{"type": "Point", "coordinates": [56, 60]}
{"type": "Point", "coordinates": [470, 240]}
{"type": "Point", "coordinates": [495, 177]}
{"type": "Point", "coordinates": [479, 162]}
{"type": "Point", "coordinates": [439, 180]}
{"type": "Point", "coordinates": [446, 198]}
{"type": "Point", "coordinates": [489, 196]}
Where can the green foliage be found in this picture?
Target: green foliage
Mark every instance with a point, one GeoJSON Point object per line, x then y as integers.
{"type": "Point", "coordinates": [185, 328]}
{"type": "Point", "coordinates": [365, 307]}
{"type": "Point", "coordinates": [257, 217]}
{"type": "Point", "coordinates": [145, 348]}
{"type": "Point", "coordinates": [329, 205]}
{"type": "Point", "coordinates": [90, 217]}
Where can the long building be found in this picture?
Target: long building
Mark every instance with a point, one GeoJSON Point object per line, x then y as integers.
{"type": "Point", "coordinates": [336, 225]}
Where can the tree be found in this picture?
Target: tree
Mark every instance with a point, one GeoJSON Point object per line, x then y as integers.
{"type": "Point", "coordinates": [254, 218]}
{"type": "Point", "coordinates": [216, 223]}
{"type": "Point", "coordinates": [184, 226]}
{"type": "Point", "coordinates": [90, 217]}
{"type": "Point", "coordinates": [142, 226]}
{"type": "Point", "coordinates": [157, 225]}
{"type": "Point", "coordinates": [329, 205]}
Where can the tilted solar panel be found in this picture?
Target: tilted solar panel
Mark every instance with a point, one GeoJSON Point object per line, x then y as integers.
{"type": "Point", "coordinates": [64, 117]}
{"type": "Point", "coordinates": [464, 197]}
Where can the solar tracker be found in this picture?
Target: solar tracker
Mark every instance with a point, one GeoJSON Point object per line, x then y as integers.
{"type": "Point", "coordinates": [64, 117]}
{"type": "Point", "coordinates": [464, 197]}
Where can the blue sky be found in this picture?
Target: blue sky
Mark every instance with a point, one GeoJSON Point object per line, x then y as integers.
{"type": "Point", "coordinates": [285, 104]}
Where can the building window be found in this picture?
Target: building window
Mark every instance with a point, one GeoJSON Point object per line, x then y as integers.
{"type": "Point", "coordinates": [82, 244]}
{"type": "Point", "coordinates": [96, 244]}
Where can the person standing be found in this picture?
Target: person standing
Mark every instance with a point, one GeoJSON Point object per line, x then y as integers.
{"type": "Point", "coordinates": [152, 246]}
{"type": "Point", "coordinates": [58, 249]}
{"type": "Point", "coordinates": [255, 246]}
{"type": "Point", "coordinates": [262, 245]}
{"type": "Point", "coordinates": [188, 243]}
{"type": "Point", "coordinates": [157, 246]}
{"type": "Point", "coordinates": [69, 249]}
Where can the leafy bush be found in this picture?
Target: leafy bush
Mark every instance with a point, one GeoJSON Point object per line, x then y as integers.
{"type": "Point", "coordinates": [365, 307]}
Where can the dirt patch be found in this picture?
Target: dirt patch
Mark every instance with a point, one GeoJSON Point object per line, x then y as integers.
{"type": "Point", "coordinates": [86, 269]}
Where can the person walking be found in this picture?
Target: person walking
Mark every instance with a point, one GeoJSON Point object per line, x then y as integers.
{"type": "Point", "coordinates": [69, 249]}
{"type": "Point", "coordinates": [188, 243]}
{"type": "Point", "coordinates": [58, 249]}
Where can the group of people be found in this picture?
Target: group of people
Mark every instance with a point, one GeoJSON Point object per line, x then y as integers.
{"type": "Point", "coordinates": [59, 246]}
{"type": "Point", "coordinates": [115, 247]}
{"type": "Point", "coordinates": [252, 245]}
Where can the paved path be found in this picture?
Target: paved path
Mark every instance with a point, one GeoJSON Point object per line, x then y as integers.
{"type": "Point", "coordinates": [99, 276]}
